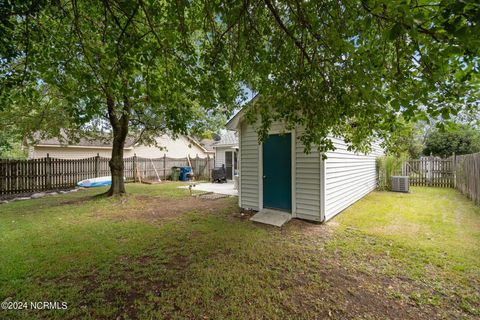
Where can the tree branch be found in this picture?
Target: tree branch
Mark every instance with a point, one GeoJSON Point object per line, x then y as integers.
{"type": "Point", "coordinates": [285, 29]}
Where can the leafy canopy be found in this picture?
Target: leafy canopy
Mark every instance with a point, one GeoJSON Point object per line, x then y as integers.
{"type": "Point", "coordinates": [353, 67]}
{"type": "Point", "coordinates": [406, 140]}
{"type": "Point", "coordinates": [463, 140]}
{"type": "Point", "coordinates": [350, 68]}
{"type": "Point", "coordinates": [81, 66]}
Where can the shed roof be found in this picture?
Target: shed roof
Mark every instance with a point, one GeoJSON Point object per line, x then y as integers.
{"type": "Point", "coordinates": [233, 123]}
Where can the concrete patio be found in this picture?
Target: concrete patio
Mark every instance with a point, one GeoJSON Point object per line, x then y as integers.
{"type": "Point", "coordinates": [220, 188]}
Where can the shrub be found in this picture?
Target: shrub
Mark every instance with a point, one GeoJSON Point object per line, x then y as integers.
{"type": "Point", "coordinates": [388, 166]}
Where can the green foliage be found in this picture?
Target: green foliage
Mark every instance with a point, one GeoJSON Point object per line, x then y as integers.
{"type": "Point", "coordinates": [461, 140]}
{"type": "Point", "coordinates": [96, 66]}
{"type": "Point", "coordinates": [405, 140]}
{"type": "Point", "coordinates": [351, 67]}
{"type": "Point", "coordinates": [345, 68]}
{"type": "Point", "coordinates": [388, 166]}
{"type": "Point", "coordinates": [13, 151]}
{"type": "Point", "coordinates": [125, 67]}
{"type": "Point", "coordinates": [11, 147]}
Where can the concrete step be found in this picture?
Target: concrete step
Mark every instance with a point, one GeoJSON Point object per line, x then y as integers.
{"type": "Point", "coordinates": [272, 217]}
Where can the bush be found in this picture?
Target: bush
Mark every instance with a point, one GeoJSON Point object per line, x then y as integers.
{"type": "Point", "coordinates": [388, 166]}
{"type": "Point", "coordinates": [463, 140]}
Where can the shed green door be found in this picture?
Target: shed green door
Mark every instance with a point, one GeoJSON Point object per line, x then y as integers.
{"type": "Point", "coordinates": [277, 172]}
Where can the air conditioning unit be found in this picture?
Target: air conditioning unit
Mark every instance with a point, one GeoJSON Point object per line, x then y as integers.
{"type": "Point", "coordinates": [400, 183]}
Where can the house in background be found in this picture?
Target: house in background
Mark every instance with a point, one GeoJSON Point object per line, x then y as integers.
{"type": "Point", "coordinates": [278, 179]}
{"type": "Point", "coordinates": [226, 150]}
{"type": "Point", "coordinates": [207, 144]}
{"type": "Point", "coordinates": [172, 148]}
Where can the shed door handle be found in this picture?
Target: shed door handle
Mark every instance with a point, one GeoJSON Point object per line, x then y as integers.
{"type": "Point", "coordinates": [264, 177]}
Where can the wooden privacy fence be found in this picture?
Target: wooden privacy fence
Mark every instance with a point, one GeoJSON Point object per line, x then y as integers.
{"type": "Point", "coordinates": [467, 174]}
{"type": "Point", "coordinates": [20, 176]}
{"type": "Point", "coordinates": [430, 172]}
{"type": "Point", "coordinates": [460, 172]}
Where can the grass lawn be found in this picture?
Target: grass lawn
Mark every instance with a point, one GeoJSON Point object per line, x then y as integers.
{"type": "Point", "coordinates": [159, 253]}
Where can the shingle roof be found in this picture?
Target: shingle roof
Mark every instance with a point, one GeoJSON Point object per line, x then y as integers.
{"type": "Point", "coordinates": [228, 139]}
{"type": "Point", "coordinates": [102, 143]}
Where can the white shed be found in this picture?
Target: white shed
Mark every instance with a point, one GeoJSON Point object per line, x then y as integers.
{"type": "Point", "coordinates": [278, 175]}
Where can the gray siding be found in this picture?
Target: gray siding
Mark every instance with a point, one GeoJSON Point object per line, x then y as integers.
{"type": "Point", "coordinates": [349, 176]}
{"type": "Point", "coordinates": [307, 183]}
{"type": "Point", "coordinates": [249, 173]}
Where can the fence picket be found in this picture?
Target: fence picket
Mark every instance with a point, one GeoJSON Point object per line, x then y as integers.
{"type": "Point", "coordinates": [430, 172]}
{"type": "Point", "coordinates": [20, 176]}
{"type": "Point", "coordinates": [460, 172]}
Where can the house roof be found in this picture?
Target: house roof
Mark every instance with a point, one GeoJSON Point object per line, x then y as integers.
{"type": "Point", "coordinates": [228, 139]}
{"type": "Point", "coordinates": [83, 142]}
{"type": "Point", "coordinates": [98, 143]}
{"type": "Point", "coordinates": [234, 122]}
{"type": "Point", "coordinates": [198, 144]}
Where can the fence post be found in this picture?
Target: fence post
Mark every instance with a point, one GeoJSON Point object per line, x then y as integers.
{"type": "Point", "coordinates": [208, 167]}
{"type": "Point", "coordinates": [197, 167]}
{"type": "Point", "coordinates": [134, 167]}
{"type": "Point", "coordinates": [48, 170]}
{"type": "Point", "coordinates": [97, 165]}
{"type": "Point", "coordinates": [430, 168]}
{"type": "Point", "coordinates": [454, 169]}
{"type": "Point", "coordinates": [164, 166]}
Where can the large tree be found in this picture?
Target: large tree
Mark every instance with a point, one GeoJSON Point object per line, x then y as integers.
{"type": "Point", "coordinates": [460, 140]}
{"type": "Point", "coordinates": [118, 66]}
{"type": "Point", "coordinates": [350, 68]}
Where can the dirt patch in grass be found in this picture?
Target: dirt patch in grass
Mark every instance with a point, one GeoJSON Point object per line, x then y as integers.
{"type": "Point", "coordinates": [160, 207]}
{"type": "Point", "coordinates": [342, 292]}
{"type": "Point", "coordinates": [350, 294]}
{"type": "Point", "coordinates": [128, 283]}
{"type": "Point", "coordinates": [157, 208]}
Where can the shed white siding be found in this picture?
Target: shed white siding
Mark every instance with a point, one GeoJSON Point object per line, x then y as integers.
{"type": "Point", "coordinates": [307, 182]}
{"type": "Point", "coordinates": [348, 177]}
{"type": "Point", "coordinates": [249, 174]}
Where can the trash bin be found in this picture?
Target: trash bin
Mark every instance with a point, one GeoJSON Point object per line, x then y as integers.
{"type": "Point", "coordinates": [175, 173]}
{"type": "Point", "coordinates": [184, 171]}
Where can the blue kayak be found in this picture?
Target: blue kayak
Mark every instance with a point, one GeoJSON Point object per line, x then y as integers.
{"type": "Point", "coordinates": [95, 182]}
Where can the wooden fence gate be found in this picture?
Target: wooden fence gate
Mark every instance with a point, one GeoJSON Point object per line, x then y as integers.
{"type": "Point", "coordinates": [430, 172]}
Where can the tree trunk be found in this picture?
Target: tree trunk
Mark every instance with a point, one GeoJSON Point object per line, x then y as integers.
{"type": "Point", "coordinates": [116, 166]}
{"type": "Point", "coordinates": [120, 131]}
